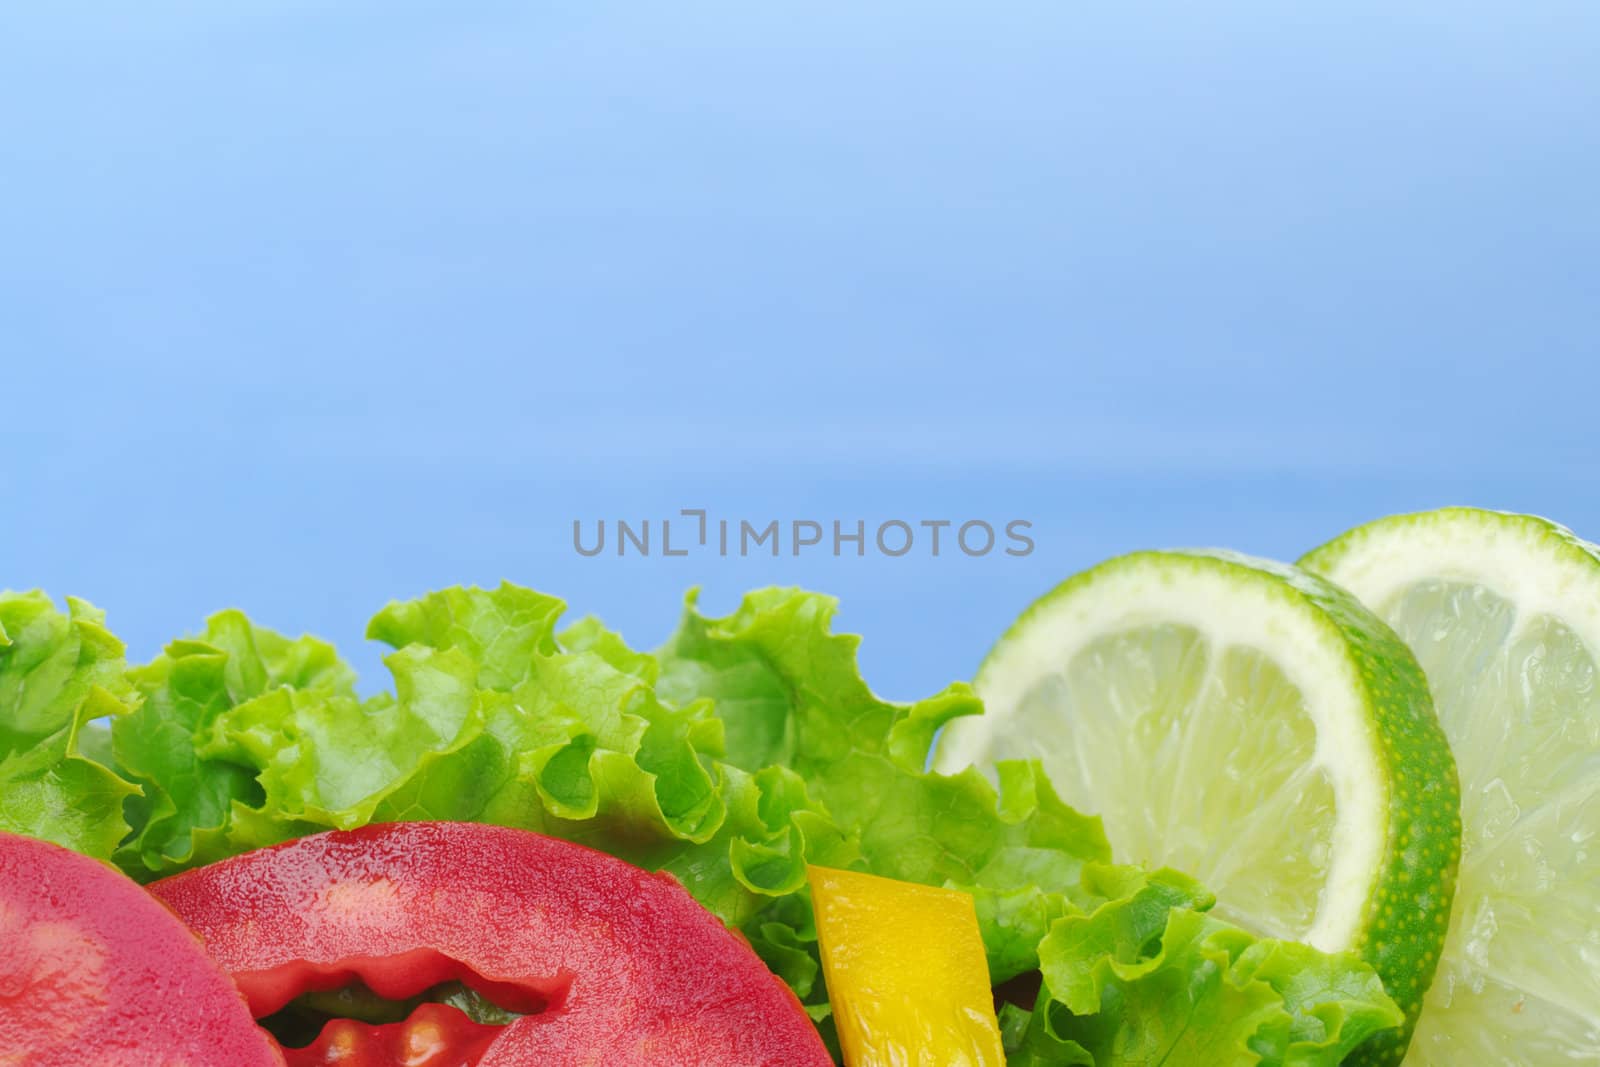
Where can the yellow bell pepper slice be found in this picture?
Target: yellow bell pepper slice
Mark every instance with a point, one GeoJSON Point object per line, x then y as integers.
{"type": "Point", "coordinates": [906, 972]}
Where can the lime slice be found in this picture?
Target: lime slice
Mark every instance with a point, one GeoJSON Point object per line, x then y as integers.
{"type": "Point", "coordinates": [1251, 725]}
{"type": "Point", "coordinates": [1503, 612]}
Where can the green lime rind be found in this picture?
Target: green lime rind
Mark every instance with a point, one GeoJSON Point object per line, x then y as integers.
{"type": "Point", "coordinates": [1543, 533]}
{"type": "Point", "coordinates": [1406, 911]}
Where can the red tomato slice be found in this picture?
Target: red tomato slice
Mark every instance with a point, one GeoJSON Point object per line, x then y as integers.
{"type": "Point", "coordinates": [619, 967]}
{"type": "Point", "coordinates": [93, 970]}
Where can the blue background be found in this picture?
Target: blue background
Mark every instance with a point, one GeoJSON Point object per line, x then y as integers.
{"type": "Point", "coordinates": [306, 306]}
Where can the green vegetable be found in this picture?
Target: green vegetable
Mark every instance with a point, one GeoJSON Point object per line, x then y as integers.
{"type": "Point", "coordinates": [189, 795]}
{"type": "Point", "coordinates": [1149, 978]}
{"type": "Point", "coordinates": [744, 749]}
{"type": "Point", "coordinates": [789, 692]}
{"type": "Point", "coordinates": [59, 673]}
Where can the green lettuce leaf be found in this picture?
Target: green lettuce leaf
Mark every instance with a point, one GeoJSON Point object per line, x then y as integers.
{"type": "Point", "coordinates": [789, 691]}
{"type": "Point", "coordinates": [58, 674]}
{"type": "Point", "coordinates": [182, 817]}
{"type": "Point", "coordinates": [494, 718]}
{"type": "Point", "coordinates": [502, 631]}
{"type": "Point", "coordinates": [1148, 978]}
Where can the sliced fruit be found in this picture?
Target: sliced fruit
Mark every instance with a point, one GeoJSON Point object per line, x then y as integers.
{"type": "Point", "coordinates": [1252, 725]}
{"type": "Point", "coordinates": [906, 972]}
{"type": "Point", "coordinates": [1503, 612]}
{"type": "Point", "coordinates": [93, 970]}
{"type": "Point", "coordinates": [601, 962]}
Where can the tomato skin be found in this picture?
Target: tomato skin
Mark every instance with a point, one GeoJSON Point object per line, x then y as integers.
{"type": "Point", "coordinates": [93, 970]}
{"type": "Point", "coordinates": [628, 968]}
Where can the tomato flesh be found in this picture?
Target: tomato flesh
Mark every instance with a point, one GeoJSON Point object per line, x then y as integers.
{"type": "Point", "coordinates": [435, 1035]}
{"type": "Point", "coordinates": [95, 970]}
{"type": "Point", "coordinates": [622, 966]}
